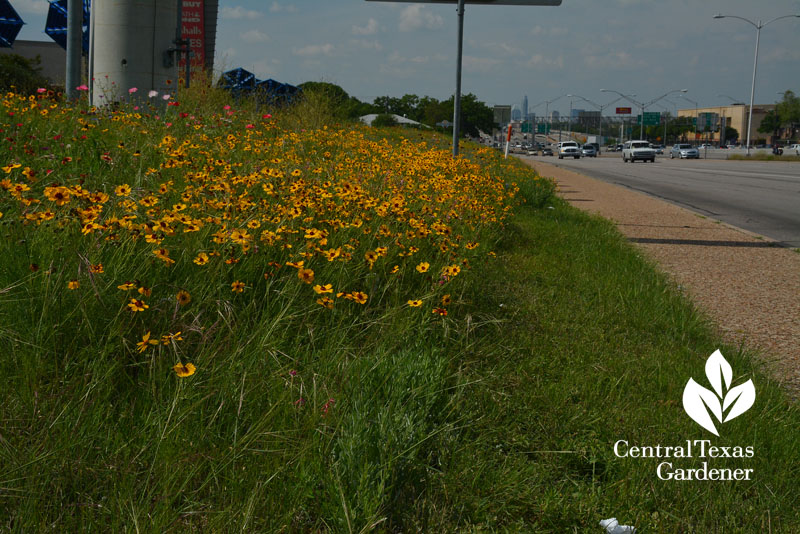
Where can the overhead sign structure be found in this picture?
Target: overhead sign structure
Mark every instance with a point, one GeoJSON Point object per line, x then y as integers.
{"type": "Point", "coordinates": [460, 12]}
{"type": "Point", "coordinates": [624, 111]}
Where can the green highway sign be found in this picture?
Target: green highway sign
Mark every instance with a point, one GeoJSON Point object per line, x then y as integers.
{"type": "Point", "coordinates": [543, 128]}
{"type": "Point", "coordinates": [650, 118]}
{"type": "Point", "coordinates": [527, 127]}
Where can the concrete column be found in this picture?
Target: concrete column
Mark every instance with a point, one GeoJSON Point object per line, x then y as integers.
{"type": "Point", "coordinates": [131, 43]}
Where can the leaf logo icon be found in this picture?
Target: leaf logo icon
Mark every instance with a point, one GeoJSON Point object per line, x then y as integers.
{"type": "Point", "coordinates": [699, 401]}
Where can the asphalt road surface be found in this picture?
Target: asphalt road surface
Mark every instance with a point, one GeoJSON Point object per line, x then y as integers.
{"type": "Point", "coordinates": [762, 197]}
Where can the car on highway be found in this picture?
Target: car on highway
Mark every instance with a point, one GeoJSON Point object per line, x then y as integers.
{"type": "Point", "coordinates": [589, 151]}
{"type": "Point", "coordinates": [640, 149]}
{"type": "Point", "coordinates": [792, 149]}
{"type": "Point", "coordinates": [547, 151]}
{"type": "Point", "coordinates": [568, 149]}
{"type": "Point", "coordinates": [658, 148]}
{"type": "Point", "coordinates": [684, 151]}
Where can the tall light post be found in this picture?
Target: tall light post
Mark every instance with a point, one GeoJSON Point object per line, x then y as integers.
{"type": "Point", "coordinates": [696, 118]}
{"type": "Point", "coordinates": [644, 105]}
{"type": "Point", "coordinates": [758, 27]}
{"type": "Point", "coordinates": [546, 110]}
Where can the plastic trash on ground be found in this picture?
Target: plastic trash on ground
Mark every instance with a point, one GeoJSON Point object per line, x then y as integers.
{"type": "Point", "coordinates": [612, 526]}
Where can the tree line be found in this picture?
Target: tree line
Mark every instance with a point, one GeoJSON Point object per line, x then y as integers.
{"type": "Point", "coordinates": [475, 115]}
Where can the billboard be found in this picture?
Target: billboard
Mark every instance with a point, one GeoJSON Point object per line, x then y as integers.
{"type": "Point", "coordinates": [623, 111]}
{"type": "Point", "coordinates": [193, 30]}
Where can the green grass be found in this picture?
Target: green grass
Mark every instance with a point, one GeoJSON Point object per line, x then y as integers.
{"type": "Point", "coordinates": [499, 417]}
{"type": "Point", "coordinates": [583, 344]}
{"type": "Point", "coordinates": [760, 156]}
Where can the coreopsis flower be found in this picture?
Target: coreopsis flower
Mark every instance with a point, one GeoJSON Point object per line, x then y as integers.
{"type": "Point", "coordinates": [306, 275]}
{"type": "Point", "coordinates": [183, 297]}
{"type": "Point", "coordinates": [423, 267]}
{"type": "Point", "coordinates": [145, 291]}
{"type": "Point", "coordinates": [201, 259]}
{"type": "Point", "coordinates": [73, 284]}
{"type": "Point", "coordinates": [327, 288]}
{"type": "Point", "coordinates": [127, 286]}
{"type": "Point", "coordinates": [136, 305]}
{"type": "Point", "coordinates": [451, 270]}
{"type": "Point", "coordinates": [414, 303]}
{"type": "Point", "coordinates": [327, 302]}
{"type": "Point", "coordinates": [237, 286]}
{"type": "Point", "coordinates": [360, 297]}
{"type": "Point", "coordinates": [145, 342]}
{"type": "Point", "coordinates": [163, 255]}
{"type": "Point", "coordinates": [184, 370]}
{"type": "Point", "coordinates": [440, 311]}
{"type": "Point", "coordinates": [446, 300]}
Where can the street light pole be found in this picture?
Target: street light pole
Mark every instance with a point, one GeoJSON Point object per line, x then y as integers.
{"type": "Point", "coordinates": [758, 27]}
{"type": "Point", "coordinates": [600, 107]}
{"type": "Point", "coordinates": [457, 96]}
{"type": "Point", "coordinates": [643, 105]}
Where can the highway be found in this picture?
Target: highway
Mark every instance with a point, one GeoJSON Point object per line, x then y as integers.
{"type": "Point", "coordinates": [762, 197]}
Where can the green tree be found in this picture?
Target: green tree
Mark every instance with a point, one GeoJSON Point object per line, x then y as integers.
{"type": "Point", "coordinates": [475, 115]}
{"type": "Point", "coordinates": [21, 73]}
{"type": "Point", "coordinates": [384, 119]}
{"type": "Point", "coordinates": [771, 122]}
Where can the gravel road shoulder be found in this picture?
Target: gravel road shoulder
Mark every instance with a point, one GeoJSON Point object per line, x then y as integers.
{"type": "Point", "coordinates": [746, 284]}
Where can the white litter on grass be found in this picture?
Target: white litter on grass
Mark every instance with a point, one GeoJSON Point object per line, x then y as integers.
{"type": "Point", "coordinates": [612, 526]}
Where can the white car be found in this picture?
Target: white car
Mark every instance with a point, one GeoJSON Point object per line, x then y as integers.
{"type": "Point", "coordinates": [792, 148]}
{"type": "Point", "coordinates": [567, 149]}
{"type": "Point", "coordinates": [633, 150]}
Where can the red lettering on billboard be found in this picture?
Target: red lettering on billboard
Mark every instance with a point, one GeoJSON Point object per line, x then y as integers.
{"type": "Point", "coordinates": [623, 111]}
{"type": "Point", "coordinates": [193, 30]}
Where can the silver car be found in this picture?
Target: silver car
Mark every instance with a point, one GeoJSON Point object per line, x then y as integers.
{"type": "Point", "coordinates": [684, 151]}
{"type": "Point", "coordinates": [588, 151]}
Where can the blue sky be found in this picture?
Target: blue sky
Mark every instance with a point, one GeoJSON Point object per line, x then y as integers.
{"type": "Point", "coordinates": [646, 47]}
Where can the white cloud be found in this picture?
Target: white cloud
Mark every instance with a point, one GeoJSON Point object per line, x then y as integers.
{"type": "Point", "coordinates": [238, 12]}
{"type": "Point", "coordinates": [417, 17]}
{"type": "Point", "coordinates": [255, 36]}
{"type": "Point", "coordinates": [314, 50]}
{"type": "Point", "coordinates": [369, 45]}
{"type": "Point", "coordinates": [481, 64]}
{"type": "Point", "coordinates": [370, 29]}
{"type": "Point", "coordinates": [39, 7]}
{"type": "Point", "coordinates": [614, 61]}
{"type": "Point", "coordinates": [539, 60]}
{"type": "Point", "coordinates": [552, 31]}
{"type": "Point", "coordinates": [277, 7]}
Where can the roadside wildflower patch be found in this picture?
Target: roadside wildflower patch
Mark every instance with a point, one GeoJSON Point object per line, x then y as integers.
{"type": "Point", "coordinates": [215, 277]}
{"type": "Point", "coordinates": [228, 200]}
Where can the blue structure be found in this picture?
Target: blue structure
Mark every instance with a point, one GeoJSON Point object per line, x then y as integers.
{"type": "Point", "coordinates": [239, 82]}
{"type": "Point", "coordinates": [10, 24]}
{"type": "Point", "coordinates": [56, 25]}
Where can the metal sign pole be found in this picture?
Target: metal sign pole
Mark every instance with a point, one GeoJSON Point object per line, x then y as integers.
{"type": "Point", "coordinates": [457, 98]}
{"type": "Point", "coordinates": [74, 46]}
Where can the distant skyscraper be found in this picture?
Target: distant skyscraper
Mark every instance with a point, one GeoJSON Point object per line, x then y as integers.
{"type": "Point", "coordinates": [516, 114]}
{"type": "Point", "coordinates": [555, 115]}
{"type": "Point", "coordinates": [525, 107]}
